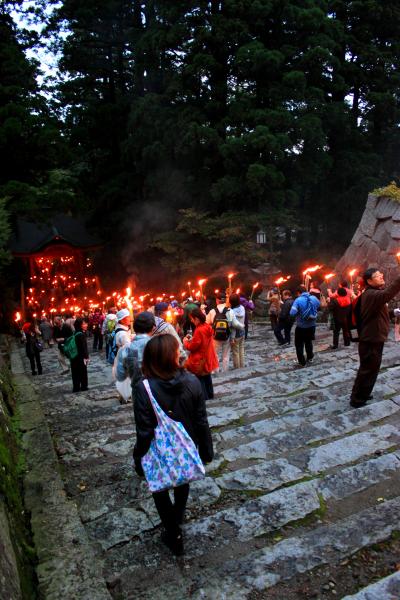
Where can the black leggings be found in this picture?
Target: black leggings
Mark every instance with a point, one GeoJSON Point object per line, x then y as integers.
{"type": "Point", "coordinates": [171, 515]}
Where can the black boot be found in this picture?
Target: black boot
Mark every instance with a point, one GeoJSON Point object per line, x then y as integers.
{"type": "Point", "coordinates": [173, 541]}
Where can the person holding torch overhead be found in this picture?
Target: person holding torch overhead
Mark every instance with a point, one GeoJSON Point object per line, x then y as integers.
{"type": "Point", "coordinates": [373, 326]}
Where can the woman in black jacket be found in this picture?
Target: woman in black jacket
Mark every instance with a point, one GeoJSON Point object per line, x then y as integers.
{"type": "Point", "coordinates": [180, 396]}
{"type": "Point", "coordinates": [79, 364]}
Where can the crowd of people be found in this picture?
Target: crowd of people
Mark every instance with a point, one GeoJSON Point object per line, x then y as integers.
{"type": "Point", "coordinates": [168, 354]}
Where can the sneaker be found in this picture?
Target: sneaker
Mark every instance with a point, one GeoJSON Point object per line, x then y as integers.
{"type": "Point", "coordinates": [357, 403]}
{"type": "Point", "coordinates": [298, 365]}
{"type": "Point", "coordinates": [310, 361]}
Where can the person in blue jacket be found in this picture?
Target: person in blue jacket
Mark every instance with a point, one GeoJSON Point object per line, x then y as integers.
{"type": "Point", "coordinates": [305, 309]}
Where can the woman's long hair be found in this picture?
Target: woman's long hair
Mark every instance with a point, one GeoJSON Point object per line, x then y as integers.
{"type": "Point", "coordinates": [198, 314]}
{"type": "Point", "coordinates": [160, 357]}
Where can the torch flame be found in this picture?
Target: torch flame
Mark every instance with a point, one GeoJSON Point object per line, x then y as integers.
{"type": "Point", "coordinates": [352, 272]}
{"type": "Point", "coordinates": [329, 276]}
{"type": "Point", "coordinates": [17, 317]}
{"type": "Point", "coordinates": [312, 269]}
{"type": "Point", "coordinates": [255, 285]}
{"type": "Point", "coordinates": [201, 281]}
{"type": "Point", "coordinates": [230, 275]}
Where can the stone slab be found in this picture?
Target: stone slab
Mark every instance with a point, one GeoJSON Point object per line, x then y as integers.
{"type": "Point", "coordinates": [387, 588]}
{"type": "Point", "coordinates": [263, 476]}
{"type": "Point", "coordinates": [352, 448]}
{"type": "Point", "coordinates": [385, 208]}
{"type": "Point", "coordinates": [236, 579]}
{"type": "Point", "coordinates": [253, 518]}
{"type": "Point", "coordinates": [118, 527]}
{"type": "Point", "coordinates": [359, 477]}
{"type": "Point", "coordinates": [311, 432]}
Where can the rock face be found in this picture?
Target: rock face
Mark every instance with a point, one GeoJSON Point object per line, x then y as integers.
{"type": "Point", "coordinates": [376, 240]}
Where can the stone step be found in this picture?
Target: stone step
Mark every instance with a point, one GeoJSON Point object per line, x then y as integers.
{"type": "Point", "coordinates": [235, 525]}
{"type": "Point", "coordinates": [250, 520]}
{"type": "Point", "coordinates": [282, 362]}
{"type": "Point", "coordinates": [387, 588]}
{"type": "Point", "coordinates": [315, 431]}
{"type": "Point", "coordinates": [261, 569]}
{"type": "Point", "coordinates": [269, 475]}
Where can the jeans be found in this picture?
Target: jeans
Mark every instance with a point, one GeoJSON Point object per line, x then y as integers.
{"type": "Point", "coordinates": [303, 338]}
{"type": "Point", "coordinates": [223, 350]}
{"type": "Point", "coordinates": [238, 352]}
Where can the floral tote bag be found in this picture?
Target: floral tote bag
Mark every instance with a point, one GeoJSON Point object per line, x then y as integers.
{"type": "Point", "coordinates": [172, 458]}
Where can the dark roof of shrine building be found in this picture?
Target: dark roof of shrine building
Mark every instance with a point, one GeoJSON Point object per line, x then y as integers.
{"type": "Point", "coordinates": [30, 238]}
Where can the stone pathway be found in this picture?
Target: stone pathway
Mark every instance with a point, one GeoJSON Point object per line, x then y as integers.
{"type": "Point", "coordinates": [299, 479]}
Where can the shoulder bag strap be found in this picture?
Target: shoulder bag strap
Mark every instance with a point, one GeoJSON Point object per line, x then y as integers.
{"type": "Point", "coordinates": [153, 401]}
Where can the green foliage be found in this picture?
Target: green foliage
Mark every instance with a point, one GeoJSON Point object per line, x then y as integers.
{"type": "Point", "coordinates": [203, 240]}
{"type": "Point", "coordinates": [5, 256]}
{"type": "Point", "coordinates": [390, 191]}
{"type": "Point", "coordinates": [288, 109]}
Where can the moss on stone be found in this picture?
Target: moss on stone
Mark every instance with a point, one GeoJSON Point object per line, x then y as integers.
{"type": "Point", "coordinates": [12, 467]}
{"type": "Point", "coordinates": [390, 191]}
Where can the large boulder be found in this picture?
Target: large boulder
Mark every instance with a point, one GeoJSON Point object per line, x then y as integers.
{"type": "Point", "coordinates": [376, 240]}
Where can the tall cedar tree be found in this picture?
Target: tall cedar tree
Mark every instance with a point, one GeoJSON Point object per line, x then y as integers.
{"type": "Point", "coordinates": [265, 105]}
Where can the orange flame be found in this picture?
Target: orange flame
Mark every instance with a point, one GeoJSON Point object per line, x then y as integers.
{"type": "Point", "coordinates": [329, 276]}
{"type": "Point", "coordinates": [17, 317]}
{"type": "Point", "coordinates": [230, 275]}
{"type": "Point", "coordinates": [312, 269]}
{"type": "Point", "coordinates": [201, 281]}
{"type": "Point", "coordinates": [352, 272]}
{"type": "Point", "coordinates": [282, 280]}
{"type": "Point", "coordinates": [255, 285]}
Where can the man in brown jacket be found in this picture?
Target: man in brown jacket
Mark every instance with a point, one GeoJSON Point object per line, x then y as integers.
{"type": "Point", "coordinates": [373, 332]}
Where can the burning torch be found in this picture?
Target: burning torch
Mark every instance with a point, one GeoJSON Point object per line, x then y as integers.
{"type": "Point", "coordinates": [279, 282]}
{"type": "Point", "coordinates": [129, 305]}
{"type": "Point", "coordinates": [255, 286]}
{"type": "Point", "coordinates": [352, 273]}
{"type": "Point", "coordinates": [201, 282]}
{"type": "Point", "coordinates": [307, 276]}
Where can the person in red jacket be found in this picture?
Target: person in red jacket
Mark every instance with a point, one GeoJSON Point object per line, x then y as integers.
{"type": "Point", "coordinates": [340, 307]}
{"type": "Point", "coordinates": [203, 359]}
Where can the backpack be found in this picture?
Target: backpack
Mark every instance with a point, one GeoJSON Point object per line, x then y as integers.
{"type": "Point", "coordinates": [112, 350]}
{"type": "Point", "coordinates": [309, 313]}
{"type": "Point", "coordinates": [70, 348]}
{"type": "Point", "coordinates": [221, 327]}
{"type": "Point", "coordinates": [111, 323]}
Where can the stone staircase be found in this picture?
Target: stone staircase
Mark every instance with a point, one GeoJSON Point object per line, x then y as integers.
{"type": "Point", "coordinates": [300, 481]}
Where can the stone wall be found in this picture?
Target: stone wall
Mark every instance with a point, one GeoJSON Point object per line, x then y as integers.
{"type": "Point", "coordinates": [17, 556]}
{"type": "Point", "coordinates": [376, 240]}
